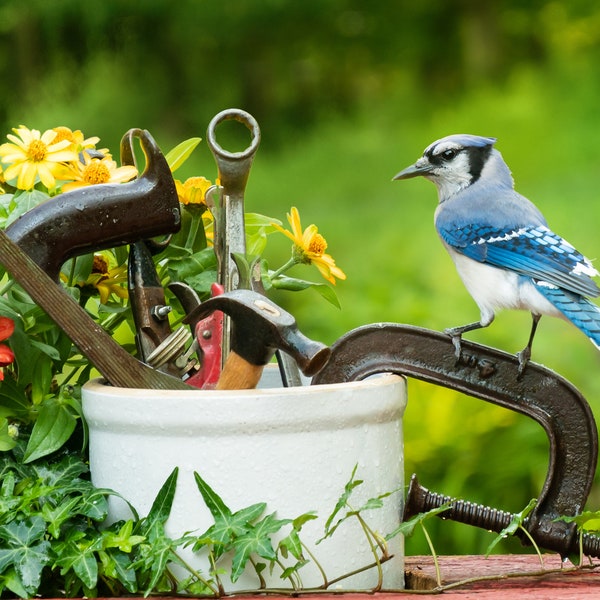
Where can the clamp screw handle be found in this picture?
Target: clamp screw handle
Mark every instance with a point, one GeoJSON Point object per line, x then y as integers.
{"type": "Point", "coordinates": [420, 500]}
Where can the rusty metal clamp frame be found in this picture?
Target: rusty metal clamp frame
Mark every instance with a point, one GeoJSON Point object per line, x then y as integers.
{"type": "Point", "coordinates": [490, 375]}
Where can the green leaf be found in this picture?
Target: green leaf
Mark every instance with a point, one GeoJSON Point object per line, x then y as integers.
{"type": "Point", "coordinates": [341, 504]}
{"type": "Point", "coordinates": [42, 378]}
{"type": "Point", "coordinates": [55, 516]}
{"type": "Point", "coordinates": [407, 528]}
{"type": "Point", "coordinates": [516, 522]}
{"type": "Point", "coordinates": [161, 507]}
{"type": "Point", "coordinates": [123, 539]}
{"type": "Point", "coordinates": [228, 526]}
{"type": "Point", "coordinates": [6, 441]}
{"type": "Point", "coordinates": [53, 427]}
{"type": "Point", "coordinates": [256, 540]}
{"type": "Point", "coordinates": [213, 501]}
{"type": "Point", "coordinates": [586, 521]}
{"type": "Point", "coordinates": [25, 550]}
{"type": "Point", "coordinates": [21, 203]}
{"type": "Point", "coordinates": [178, 155]}
{"type": "Point", "coordinates": [291, 544]}
{"type": "Point", "coordinates": [296, 285]}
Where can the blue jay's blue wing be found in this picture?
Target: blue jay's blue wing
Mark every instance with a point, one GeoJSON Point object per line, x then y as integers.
{"type": "Point", "coordinates": [533, 251]}
{"type": "Point", "coordinates": [580, 311]}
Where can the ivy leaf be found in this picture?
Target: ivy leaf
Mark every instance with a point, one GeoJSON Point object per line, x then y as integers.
{"type": "Point", "coordinates": [341, 503]}
{"type": "Point", "coordinates": [25, 549]}
{"type": "Point", "coordinates": [407, 528]}
{"type": "Point", "coordinates": [79, 557]}
{"type": "Point", "coordinates": [123, 539]}
{"type": "Point", "coordinates": [586, 521]}
{"type": "Point", "coordinates": [161, 507]}
{"type": "Point", "coordinates": [55, 516]}
{"type": "Point", "coordinates": [516, 522]}
{"type": "Point", "coordinates": [256, 540]}
{"type": "Point", "coordinates": [228, 525]}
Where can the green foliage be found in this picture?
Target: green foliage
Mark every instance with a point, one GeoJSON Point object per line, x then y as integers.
{"type": "Point", "coordinates": [53, 542]}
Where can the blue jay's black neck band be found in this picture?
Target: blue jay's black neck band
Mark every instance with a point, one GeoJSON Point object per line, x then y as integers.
{"type": "Point", "coordinates": [478, 156]}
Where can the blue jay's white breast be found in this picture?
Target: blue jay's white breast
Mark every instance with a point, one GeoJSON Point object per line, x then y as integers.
{"type": "Point", "coordinates": [494, 289]}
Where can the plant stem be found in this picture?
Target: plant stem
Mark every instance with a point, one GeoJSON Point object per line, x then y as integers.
{"type": "Point", "coordinates": [438, 573]}
{"type": "Point", "coordinates": [326, 583]}
{"type": "Point", "coordinates": [288, 265]}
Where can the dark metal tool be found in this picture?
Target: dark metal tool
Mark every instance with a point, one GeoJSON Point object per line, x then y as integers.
{"type": "Point", "coordinates": [490, 375]}
{"type": "Point", "coordinates": [116, 365]}
{"type": "Point", "coordinates": [102, 216]}
{"type": "Point", "coordinates": [260, 327]}
{"type": "Point", "coordinates": [148, 305]}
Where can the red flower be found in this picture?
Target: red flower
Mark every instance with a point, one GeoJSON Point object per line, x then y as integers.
{"type": "Point", "coordinates": [7, 356]}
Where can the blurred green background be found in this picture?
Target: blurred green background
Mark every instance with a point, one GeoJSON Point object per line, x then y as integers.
{"type": "Point", "coordinates": [347, 93]}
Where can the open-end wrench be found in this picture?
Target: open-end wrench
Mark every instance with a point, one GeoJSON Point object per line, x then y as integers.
{"type": "Point", "coordinates": [228, 205]}
{"type": "Point", "coordinates": [490, 375]}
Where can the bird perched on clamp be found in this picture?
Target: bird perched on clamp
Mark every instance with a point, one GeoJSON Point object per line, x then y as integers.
{"type": "Point", "coordinates": [504, 252]}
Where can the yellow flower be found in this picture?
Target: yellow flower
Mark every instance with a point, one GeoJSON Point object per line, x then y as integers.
{"type": "Point", "coordinates": [76, 138]}
{"type": "Point", "coordinates": [32, 155]}
{"type": "Point", "coordinates": [106, 280]}
{"type": "Point", "coordinates": [309, 247]}
{"type": "Point", "coordinates": [97, 170]}
{"type": "Point", "coordinates": [193, 190]}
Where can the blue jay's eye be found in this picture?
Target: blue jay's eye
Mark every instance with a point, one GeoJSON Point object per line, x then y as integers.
{"type": "Point", "coordinates": [449, 154]}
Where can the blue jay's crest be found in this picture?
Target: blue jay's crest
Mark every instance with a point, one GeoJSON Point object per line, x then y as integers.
{"type": "Point", "coordinates": [463, 140]}
{"type": "Point", "coordinates": [504, 252]}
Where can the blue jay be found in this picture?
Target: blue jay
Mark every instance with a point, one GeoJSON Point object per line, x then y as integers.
{"type": "Point", "coordinates": [500, 243]}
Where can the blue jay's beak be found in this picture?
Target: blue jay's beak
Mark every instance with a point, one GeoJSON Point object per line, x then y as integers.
{"type": "Point", "coordinates": [421, 167]}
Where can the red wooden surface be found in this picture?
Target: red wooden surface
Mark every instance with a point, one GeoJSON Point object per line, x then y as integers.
{"type": "Point", "coordinates": [559, 582]}
{"type": "Point", "coordinates": [509, 577]}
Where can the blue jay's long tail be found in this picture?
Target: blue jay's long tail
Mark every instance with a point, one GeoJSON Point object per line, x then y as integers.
{"type": "Point", "coordinates": [579, 310]}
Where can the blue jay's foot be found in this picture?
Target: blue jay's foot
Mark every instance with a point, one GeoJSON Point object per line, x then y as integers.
{"type": "Point", "coordinates": [525, 354]}
{"type": "Point", "coordinates": [523, 357]}
{"type": "Point", "coordinates": [456, 333]}
{"type": "Point", "coordinates": [456, 338]}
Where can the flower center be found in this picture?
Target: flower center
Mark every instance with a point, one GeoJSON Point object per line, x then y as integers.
{"type": "Point", "coordinates": [96, 172]}
{"type": "Point", "coordinates": [36, 151]}
{"type": "Point", "coordinates": [100, 264]}
{"type": "Point", "coordinates": [63, 133]}
{"type": "Point", "coordinates": [317, 245]}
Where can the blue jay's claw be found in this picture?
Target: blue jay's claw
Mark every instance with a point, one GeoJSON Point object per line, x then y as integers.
{"type": "Point", "coordinates": [523, 357]}
{"type": "Point", "coordinates": [455, 334]}
{"type": "Point", "coordinates": [525, 354]}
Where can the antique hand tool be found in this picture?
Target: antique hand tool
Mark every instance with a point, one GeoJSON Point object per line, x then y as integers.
{"type": "Point", "coordinates": [101, 216]}
{"type": "Point", "coordinates": [227, 205]}
{"type": "Point", "coordinates": [116, 365]}
{"type": "Point", "coordinates": [259, 328]}
{"type": "Point", "coordinates": [490, 375]}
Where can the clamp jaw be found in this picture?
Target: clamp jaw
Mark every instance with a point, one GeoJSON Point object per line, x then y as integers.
{"type": "Point", "coordinates": [492, 376]}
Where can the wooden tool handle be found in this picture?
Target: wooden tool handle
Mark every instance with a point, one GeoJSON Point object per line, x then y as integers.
{"type": "Point", "coordinates": [239, 374]}
{"type": "Point", "coordinates": [116, 365]}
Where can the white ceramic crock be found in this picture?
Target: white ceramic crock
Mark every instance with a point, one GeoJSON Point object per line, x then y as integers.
{"type": "Point", "coordinates": [293, 448]}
